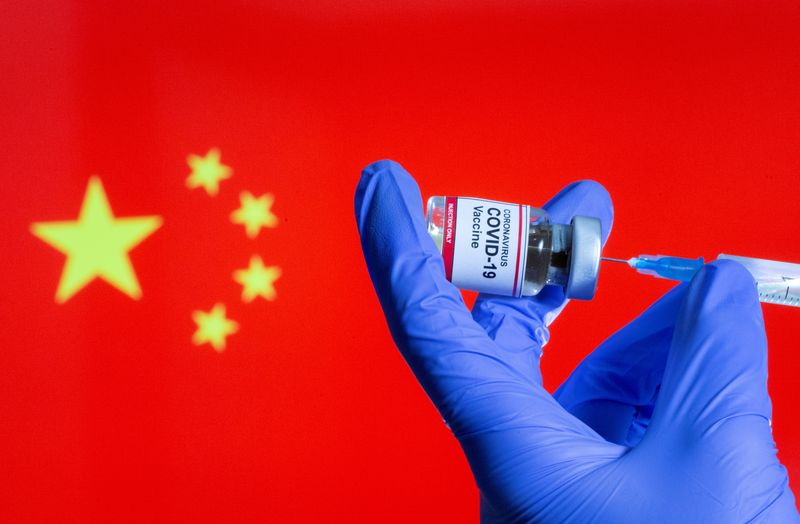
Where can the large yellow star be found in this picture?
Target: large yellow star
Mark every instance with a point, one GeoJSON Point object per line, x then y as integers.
{"type": "Point", "coordinates": [97, 244]}
{"type": "Point", "coordinates": [213, 327]}
{"type": "Point", "coordinates": [207, 171]}
{"type": "Point", "coordinates": [257, 280]}
{"type": "Point", "coordinates": [254, 213]}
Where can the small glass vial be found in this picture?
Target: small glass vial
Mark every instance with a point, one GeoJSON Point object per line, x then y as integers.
{"type": "Point", "coordinates": [512, 249]}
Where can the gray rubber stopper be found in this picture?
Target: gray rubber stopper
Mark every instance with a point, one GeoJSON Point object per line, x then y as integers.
{"type": "Point", "coordinates": [584, 265]}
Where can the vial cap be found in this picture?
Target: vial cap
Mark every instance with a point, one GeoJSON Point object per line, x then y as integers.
{"type": "Point", "coordinates": [584, 264]}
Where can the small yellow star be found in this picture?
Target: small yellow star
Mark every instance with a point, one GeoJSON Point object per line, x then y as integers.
{"type": "Point", "coordinates": [254, 213]}
{"type": "Point", "coordinates": [213, 327]}
{"type": "Point", "coordinates": [207, 172]}
{"type": "Point", "coordinates": [257, 280]}
{"type": "Point", "coordinates": [97, 244]}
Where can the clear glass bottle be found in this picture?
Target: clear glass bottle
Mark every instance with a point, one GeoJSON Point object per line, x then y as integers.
{"type": "Point", "coordinates": [512, 249]}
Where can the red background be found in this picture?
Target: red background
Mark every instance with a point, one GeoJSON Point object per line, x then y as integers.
{"type": "Point", "coordinates": [688, 113]}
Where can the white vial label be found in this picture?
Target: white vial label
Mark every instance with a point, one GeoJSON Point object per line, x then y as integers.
{"type": "Point", "coordinates": [484, 245]}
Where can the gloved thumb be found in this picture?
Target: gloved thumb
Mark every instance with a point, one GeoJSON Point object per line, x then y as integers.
{"type": "Point", "coordinates": [717, 366]}
{"type": "Point", "coordinates": [711, 423]}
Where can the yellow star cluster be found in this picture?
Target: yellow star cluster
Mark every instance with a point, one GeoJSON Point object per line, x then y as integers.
{"type": "Point", "coordinates": [97, 246]}
{"type": "Point", "coordinates": [257, 280]}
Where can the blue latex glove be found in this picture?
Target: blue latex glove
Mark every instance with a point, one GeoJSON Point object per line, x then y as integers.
{"type": "Point", "coordinates": [667, 421]}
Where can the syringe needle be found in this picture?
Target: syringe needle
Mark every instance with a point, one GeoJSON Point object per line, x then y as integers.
{"type": "Point", "coordinates": [609, 259]}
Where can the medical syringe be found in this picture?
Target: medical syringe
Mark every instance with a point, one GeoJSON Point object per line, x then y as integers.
{"type": "Point", "coordinates": [777, 282]}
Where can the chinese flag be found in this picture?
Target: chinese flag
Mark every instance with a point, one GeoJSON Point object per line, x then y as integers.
{"type": "Point", "coordinates": [188, 329]}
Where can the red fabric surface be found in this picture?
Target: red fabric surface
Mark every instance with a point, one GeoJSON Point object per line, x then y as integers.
{"type": "Point", "coordinates": [688, 113]}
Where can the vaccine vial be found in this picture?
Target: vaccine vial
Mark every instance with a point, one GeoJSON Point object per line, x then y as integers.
{"type": "Point", "coordinates": [512, 249]}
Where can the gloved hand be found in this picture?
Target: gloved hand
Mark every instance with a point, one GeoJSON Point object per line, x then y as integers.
{"type": "Point", "coordinates": [667, 421]}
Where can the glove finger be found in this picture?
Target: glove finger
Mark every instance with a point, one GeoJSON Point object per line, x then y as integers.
{"type": "Point", "coordinates": [717, 366]}
{"type": "Point", "coordinates": [519, 325]}
{"type": "Point", "coordinates": [613, 389]}
{"type": "Point", "coordinates": [714, 413]}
